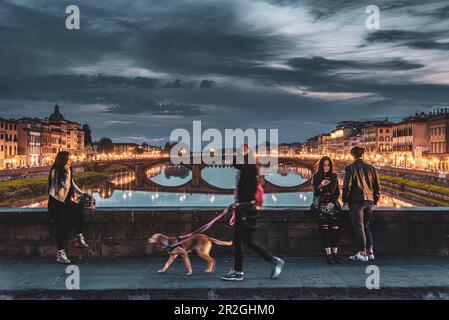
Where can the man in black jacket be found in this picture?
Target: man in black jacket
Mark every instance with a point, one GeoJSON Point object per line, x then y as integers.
{"type": "Point", "coordinates": [361, 192]}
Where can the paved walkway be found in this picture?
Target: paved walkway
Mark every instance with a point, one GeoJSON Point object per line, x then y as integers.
{"type": "Point", "coordinates": [303, 278]}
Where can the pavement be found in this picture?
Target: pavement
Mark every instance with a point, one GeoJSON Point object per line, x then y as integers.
{"type": "Point", "coordinates": [302, 278]}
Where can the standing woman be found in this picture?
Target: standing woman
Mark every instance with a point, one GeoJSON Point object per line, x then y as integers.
{"type": "Point", "coordinates": [61, 207]}
{"type": "Point", "coordinates": [246, 215]}
{"type": "Point", "coordinates": [326, 192]}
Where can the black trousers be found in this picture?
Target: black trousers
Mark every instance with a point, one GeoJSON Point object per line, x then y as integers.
{"type": "Point", "coordinates": [361, 216]}
{"type": "Point", "coordinates": [329, 231]}
{"type": "Point", "coordinates": [65, 215]}
{"type": "Point", "coordinates": [244, 236]}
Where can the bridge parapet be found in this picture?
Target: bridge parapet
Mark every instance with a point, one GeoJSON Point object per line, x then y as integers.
{"type": "Point", "coordinates": [286, 231]}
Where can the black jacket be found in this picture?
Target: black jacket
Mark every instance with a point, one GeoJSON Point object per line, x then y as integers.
{"type": "Point", "coordinates": [247, 182]}
{"type": "Point", "coordinates": [361, 183]}
{"type": "Point", "coordinates": [332, 188]}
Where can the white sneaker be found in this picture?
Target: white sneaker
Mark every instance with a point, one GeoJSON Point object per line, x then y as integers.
{"type": "Point", "coordinates": [278, 264]}
{"type": "Point", "coordinates": [371, 257]}
{"type": "Point", "coordinates": [359, 257]}
{"type": "Point", "coordinates": [61, 257]}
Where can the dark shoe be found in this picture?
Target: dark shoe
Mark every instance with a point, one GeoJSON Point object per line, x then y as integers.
{"type": "Point", "coordinates": [330, 259]}
{"type": "Point", "coordinates": [337, 259]}
{"type": "Point", "coordinates": [278, 264]}
{"type": "Point", "coordinates": [233, 276]}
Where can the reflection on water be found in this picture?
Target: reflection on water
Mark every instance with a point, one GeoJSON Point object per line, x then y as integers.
{"type": "Point", "coordinates": [107, 197]}
{"type": "Point", "coordinates": [169, 199]}
{"type": "Point", "coordinates": [169, 175]}
{"type": "Point", "coordinates": [175, 175]}
{"type": "Point", "coordinates": [219, 177]}
{"type": "Point", "coordinates": [388, 201]}
{"type": "Point", "coordinates": [288, 175]}
{"type": "Point", "coordinates": [122, 178]}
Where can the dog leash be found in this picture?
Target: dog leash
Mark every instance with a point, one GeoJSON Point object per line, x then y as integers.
{"type": "Point", "coordinates": [204, 228]}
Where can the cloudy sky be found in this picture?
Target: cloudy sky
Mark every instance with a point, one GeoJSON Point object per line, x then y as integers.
{"type": "Point", "coordinates": [138, 69]}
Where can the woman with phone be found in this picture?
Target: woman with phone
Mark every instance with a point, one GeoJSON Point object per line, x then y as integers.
{"type": "Point", "coordinates": [326, 192]}
{"type": "Point", "coordinates": [62, 209]}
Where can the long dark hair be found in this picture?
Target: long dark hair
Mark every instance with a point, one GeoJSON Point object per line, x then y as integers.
{"type": "Point", "coordinates": [320, 168]}
{"type": "Point", "coordinates": [59, 166]}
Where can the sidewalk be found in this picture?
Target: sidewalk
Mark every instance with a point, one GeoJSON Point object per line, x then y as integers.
{"type": "Point", "coordinates": [303, 278]}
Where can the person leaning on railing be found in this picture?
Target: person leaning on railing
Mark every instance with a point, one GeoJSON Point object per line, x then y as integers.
{"type": "Point", "coordinates": [61, 207]}
{"type": "Point", "coordinates": [361, 193]}
{"type": "Point", "coordinates": [327, 208]}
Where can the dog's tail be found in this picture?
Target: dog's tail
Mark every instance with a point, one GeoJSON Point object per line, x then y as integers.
{"type": "Point", "coordinates": [220, 242]}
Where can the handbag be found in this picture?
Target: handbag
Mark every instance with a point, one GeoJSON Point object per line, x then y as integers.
{"type": "Point", "coordinates": [87, 202]}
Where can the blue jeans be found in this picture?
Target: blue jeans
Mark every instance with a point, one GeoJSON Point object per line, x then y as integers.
{"type": "Point", "coordinates": [361, 216]}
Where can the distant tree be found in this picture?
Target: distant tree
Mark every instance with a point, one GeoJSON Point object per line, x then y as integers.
{"type": "Point", "coordinates": [138, 150]}
{"type": "Point", "coordinates": [105, 145]}
{"type": "Point", "coordinates": [87, 135]}
{"type": "Point", "coordinates": [168, 146]}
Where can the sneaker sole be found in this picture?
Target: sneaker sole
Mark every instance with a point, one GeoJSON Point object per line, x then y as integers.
{"type": "Point", "coordinates": [232, 279]}
{"type": "Point", "coordinates": [358, 260]}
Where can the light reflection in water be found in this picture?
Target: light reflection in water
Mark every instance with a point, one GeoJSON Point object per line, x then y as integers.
{"type": "Point", "coordinates": [171, 175]}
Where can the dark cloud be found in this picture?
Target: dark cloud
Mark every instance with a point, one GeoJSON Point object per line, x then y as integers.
{"type": "Point", "coordinates": [227, 63]}
{"type": "Point", "coordinates": [414, 39]}
{"type": "Point", "coordinates": [320, 64]}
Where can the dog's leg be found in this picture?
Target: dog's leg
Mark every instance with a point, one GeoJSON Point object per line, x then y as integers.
{"type": "Point", "coordinates": [204, 254]}
{"type": "Point", "coordinates": [185, 255]}
{"type": "Point", "coordinates": [168, 263]}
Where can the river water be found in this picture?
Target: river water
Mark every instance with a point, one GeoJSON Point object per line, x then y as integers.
{"type": "Point", "coordinates": [119, 193]}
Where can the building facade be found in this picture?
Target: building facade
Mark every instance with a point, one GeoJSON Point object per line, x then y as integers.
{"type": "Point", "coordinates": [9, 157]}
{"type": "Point", "coordinates": [410, 140]}
{"type": "Point", "coordinates": [30, 141]}
{"type": "Point", "coordinates": [438, 157]}
{"type": "Point", "coordinates": [378, 138]}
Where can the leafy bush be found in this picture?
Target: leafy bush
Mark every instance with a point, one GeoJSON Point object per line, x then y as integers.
{"type": "Point", "coordinates": [22, 188]}
{"type": "Point", "coordinates": [416, 184]}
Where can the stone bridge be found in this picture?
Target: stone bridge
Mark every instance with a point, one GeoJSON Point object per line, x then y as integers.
{"type": "Point", "coordinates": [197, 184]}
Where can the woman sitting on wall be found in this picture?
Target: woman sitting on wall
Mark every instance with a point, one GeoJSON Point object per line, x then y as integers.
{"type": "Point", "coordinates": [327, 208]}
{"type": "Point", "coordinates": [62, 209]}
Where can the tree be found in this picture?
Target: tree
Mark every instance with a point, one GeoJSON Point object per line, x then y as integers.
{"type": "Point", "coordinates": [105, 145]}
{"type": "Point", "coordinates": [87, 135]}
{"type": "Point", "coordinates": [168, 146]}
{"type": "Point", "coordinates": [138, 150]}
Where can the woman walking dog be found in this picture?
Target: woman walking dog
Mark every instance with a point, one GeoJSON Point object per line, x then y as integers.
{"type": "Point", "coordinates": [61, 207]}
{"type": "Point", "coordinates": [246, 213]}
{"type": "Point", "coordinates": [327, 208]}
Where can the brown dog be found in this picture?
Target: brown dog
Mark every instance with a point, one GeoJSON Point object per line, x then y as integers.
{"type": "Point", "coordinates": [200, 243]}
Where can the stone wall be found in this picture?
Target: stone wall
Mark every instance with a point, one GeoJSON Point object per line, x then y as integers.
{"type": "Point", "coordinates": [293, 232]}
